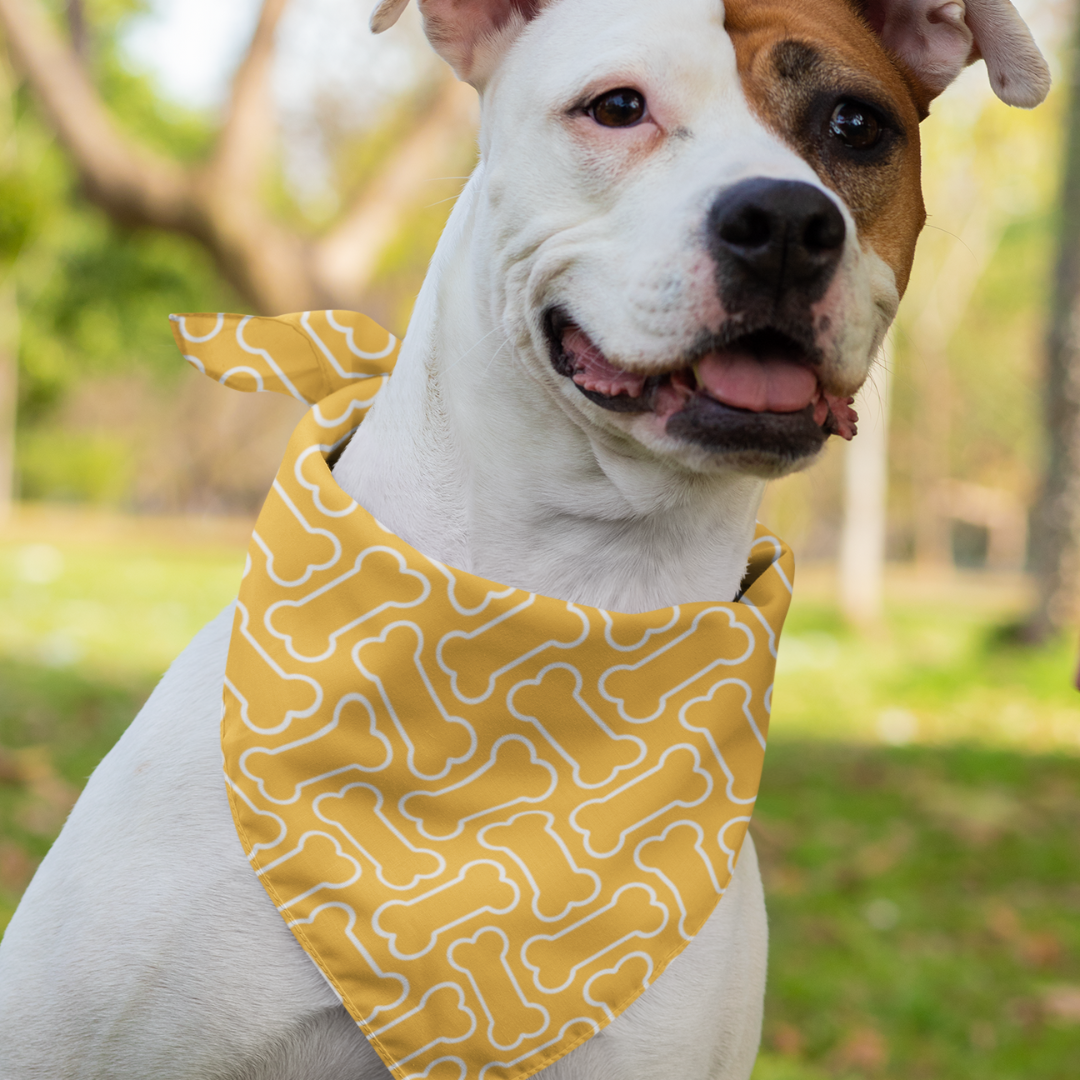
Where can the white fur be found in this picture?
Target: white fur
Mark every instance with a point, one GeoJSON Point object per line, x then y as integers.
{"type": "Point", "coordinates": [145, 947]}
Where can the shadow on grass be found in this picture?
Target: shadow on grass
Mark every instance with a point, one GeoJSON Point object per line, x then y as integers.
{"type": "Point", "coordinates": [924, 909]}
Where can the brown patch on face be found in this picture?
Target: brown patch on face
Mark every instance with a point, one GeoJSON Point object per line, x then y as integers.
{"type": "Point", "coordinates": [798, 60]}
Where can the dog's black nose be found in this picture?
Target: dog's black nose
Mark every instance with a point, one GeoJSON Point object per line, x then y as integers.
{"type": "Point", "coordinates": [776, 235]}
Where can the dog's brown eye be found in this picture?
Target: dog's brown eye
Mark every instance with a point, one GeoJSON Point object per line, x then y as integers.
{"type": "Point", "coordinates": [618, 108]}
{"type": "Point", "coordinates": [855, 125]}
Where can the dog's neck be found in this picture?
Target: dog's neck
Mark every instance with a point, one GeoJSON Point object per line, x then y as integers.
{"type": "Point", "coordinates": [472, 460]}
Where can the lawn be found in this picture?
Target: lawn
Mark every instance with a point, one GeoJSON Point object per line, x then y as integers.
{"type": "Point", "coordinates": [919, 824]}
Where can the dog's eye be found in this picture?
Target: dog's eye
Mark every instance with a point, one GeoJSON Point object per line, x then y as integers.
{"type": "Point", "coordinates": [617, 108]}
{"type": "Point", "coordinates": [855, 125]}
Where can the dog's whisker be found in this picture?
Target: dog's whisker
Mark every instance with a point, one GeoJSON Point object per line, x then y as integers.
{"type": "Point", "coordinates": [468, 351]}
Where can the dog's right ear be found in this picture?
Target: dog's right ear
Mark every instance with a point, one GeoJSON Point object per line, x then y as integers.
{"type": "Point", "coordinates": [937, 39]}
{"type": "Point", "coordinates": [468, 34]}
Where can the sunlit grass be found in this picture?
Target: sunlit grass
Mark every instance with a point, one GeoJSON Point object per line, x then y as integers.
{"type": "Point", "coordinates": [84, 593]}
{"type": "Point", "coordinates": [942, 668]}
{"type": "Point", "coordinates": [919, 823]}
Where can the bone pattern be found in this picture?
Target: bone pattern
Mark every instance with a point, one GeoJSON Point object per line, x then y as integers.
{"type": "Point", "coordinates": [437, 726]}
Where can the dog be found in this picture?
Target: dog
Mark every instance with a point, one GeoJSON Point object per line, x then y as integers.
{"type": "Point", "coordinates": [688, 232]}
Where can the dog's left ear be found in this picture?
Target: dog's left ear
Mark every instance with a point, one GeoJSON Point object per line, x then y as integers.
{"type": "Point", "coordinates": [468, 34]}
{"type": "Point", "coordinates": [937, 39]}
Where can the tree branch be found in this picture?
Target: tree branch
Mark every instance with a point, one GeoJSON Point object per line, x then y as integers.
{"type": "Point", "coordinates": [275, 268]}
{"type": "Point", "coordinates": [345, 259]}
{"type": "Point", "coordinates": [264, 262]}
{"type": "Point", "coordinates": [247, 136]}
{"type": "Point", "coordinates": [128, 182]}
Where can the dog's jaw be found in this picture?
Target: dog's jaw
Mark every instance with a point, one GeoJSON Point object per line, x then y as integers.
{"type": "Point", "coordinates": [496, 475]}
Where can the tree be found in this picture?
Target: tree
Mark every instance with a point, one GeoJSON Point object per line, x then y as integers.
{"type": "Point", "coordinates": [1055, 548]}
{"type": "Point", "coordinates": [208, 186]}
{"type": "Point", "coordinates": [218, 201]}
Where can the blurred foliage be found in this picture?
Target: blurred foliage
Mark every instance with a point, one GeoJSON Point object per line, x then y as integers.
{"type": "Point", "coordinates": [93, 297]}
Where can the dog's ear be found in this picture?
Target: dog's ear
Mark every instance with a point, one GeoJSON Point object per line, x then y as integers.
{"type": "Point", "coordinates": [937, 39]}
{"type": "Point", "coordinates": [467, 34]}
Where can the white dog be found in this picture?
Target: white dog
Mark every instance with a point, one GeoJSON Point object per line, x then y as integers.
{"type": "Point", "coordinates": [689, 230]}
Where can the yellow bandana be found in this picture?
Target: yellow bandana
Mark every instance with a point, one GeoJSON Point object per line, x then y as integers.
{"type": "Point", "coordinates": [491, 818]}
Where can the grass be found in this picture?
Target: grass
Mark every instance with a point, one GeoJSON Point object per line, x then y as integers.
{"type": "Point", "coordinates": [919, 824]}
{"type": "Point", "coordinates": [925, 912]}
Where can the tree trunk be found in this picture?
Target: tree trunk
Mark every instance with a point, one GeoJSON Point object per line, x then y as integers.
{"type": "Point", "coordinates": [9, 367]}
{"type": "Point", "coordinates": [866, 486]}
{"type": "Point", "coordinates": [1055, 537]}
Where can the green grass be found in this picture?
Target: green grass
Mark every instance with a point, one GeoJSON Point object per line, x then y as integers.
{"type": "Point", "coordinates": [941, 670]}
{"type": "Point", "coordinates": [919, 824]}
{"type": "Point", "coordinates": [55, 726]}
{"type": "Point", "coordinates": [925, 912]}
{"type": "Point", "coordinates": [92, 611]}
{"type": "Point", "coordinates": [111, 608]}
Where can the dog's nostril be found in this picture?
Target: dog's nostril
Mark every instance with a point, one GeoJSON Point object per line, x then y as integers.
{"type": "Point", "coordinates": [752, 228]}
{"type": "Point", "coordinates": [824, 232]}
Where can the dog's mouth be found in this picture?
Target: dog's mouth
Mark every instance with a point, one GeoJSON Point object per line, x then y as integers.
{"type": "Point", "coordinates": [753, 392]}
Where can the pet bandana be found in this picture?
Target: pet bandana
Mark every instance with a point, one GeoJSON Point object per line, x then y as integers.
{"type": "Point", "coordinates": [491, 818]}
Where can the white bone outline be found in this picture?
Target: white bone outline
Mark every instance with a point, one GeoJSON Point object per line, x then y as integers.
{"type": "Point", "coordinates": [438, 1061]}
{"type": "Point", "coordinates": [575, 765]}
{"type": "Point", "coordinates": [352, 766]}
{"type": "Point", "coordinates": [410, 752]}
{"type": "Point", "coordinates": [270, 361]}
{"type": "Point", "coordinates": [285, 676]}
{"type": "Point", "coordinates": [194, 338]}
{"type": "Point", "coordinates": [587, 989]}
{"type": "Point", "coordinates": [420, 1008]}
{"type": "Point", "coordinates": [536, 1050]}
{"type": "Point", "coordinates": [356, 403]}
{"type": "Point", "coordinates": [282, 827]}
{"type": "Point", "coordinates": [493, 755]}
{"type": "Point", "coordinates": [778, 551]}
{"type": "Point", "coordinates": [468, 635]}
{"type": "Point", "coordinates": [732, 853]}
{"type": "Point", "coordinates": [486, 909]}
{"type": "Point", "coordinates": [699, 847]}
{"type": "Point", "coordinates": [401, 605]}
{"type": "Point", "coordinates": [312, 530]}
{"type": "Point", "coordinates": [641, 778]}
{"type": "Point", "coordinates": [389, 825]}
{"type": "Point", "coordinates": [549, 820]}
{"type": "Point", "coordinates": [368, 958]}
{"type": "Point", "coordinates": [613, 902]}
{"type": "Point", "coordinates": [467, 972]}
{"type": "Point", "coordinates": [243, 369]}
{"type": "Point", "coordinates": [707, 732]}
{"type": "Point", "coordinates": [350, 341]}
{"type": "Point", "coordinates": [300, 845]}
{"type": "Point", "coordinates": [451, 587]}
{"type": "Point", "coordinates": [733, 624]}
{"type": "Point", "coordinates": [350, 344]}
{"type": "Point", "coordinates": [609, 626]}
{"type": "Point", "coordinates": [324, 483]}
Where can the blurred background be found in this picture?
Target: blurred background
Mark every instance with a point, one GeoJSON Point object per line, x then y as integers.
{"type": "Point", "coordinates": [920, 818]}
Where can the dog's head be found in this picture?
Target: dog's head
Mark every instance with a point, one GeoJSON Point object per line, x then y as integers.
{"type": "Point", "coordinates": [700, 216]}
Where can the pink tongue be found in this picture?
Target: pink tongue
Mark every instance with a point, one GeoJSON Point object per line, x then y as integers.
{"type": "Point", "coordinates": [744, 382]}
